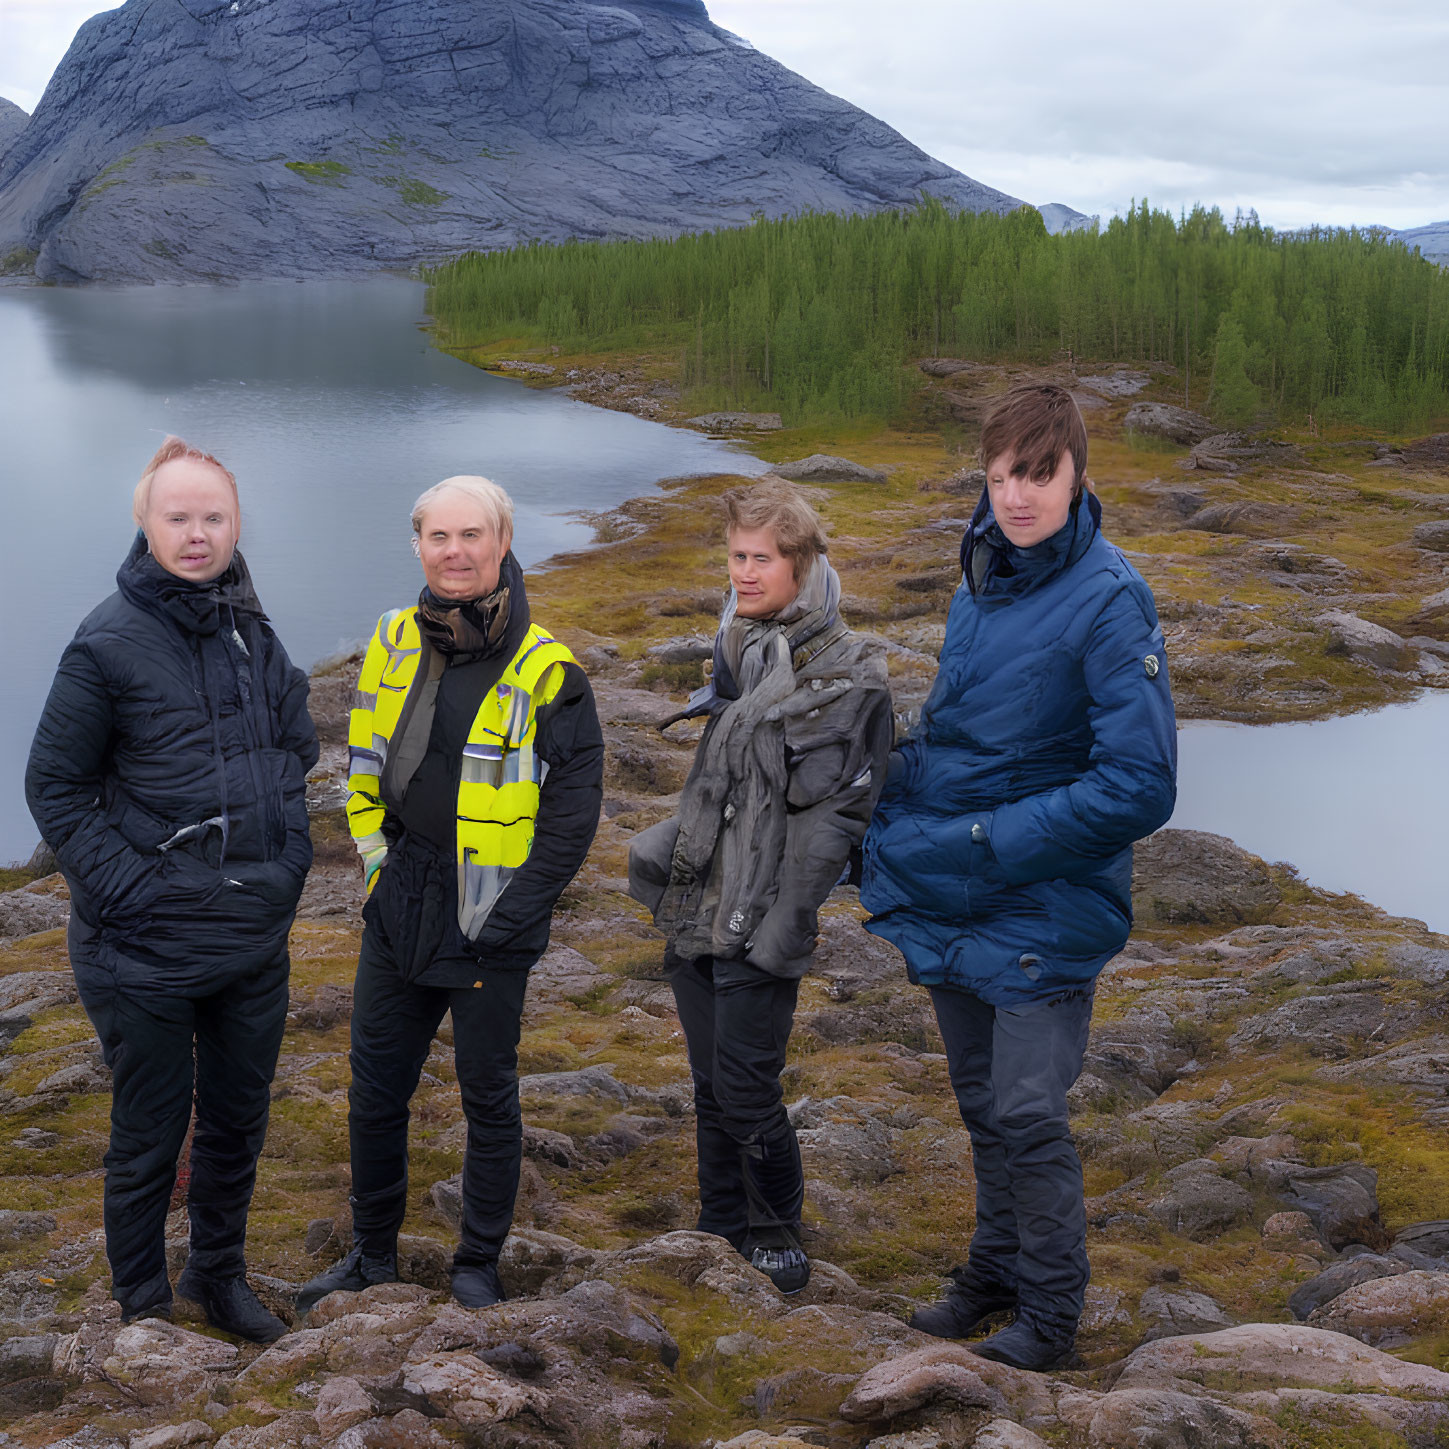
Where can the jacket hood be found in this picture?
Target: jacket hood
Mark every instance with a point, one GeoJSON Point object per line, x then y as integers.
{"type": "Point", "coordinates": [197, 608]}
{"type": "Point", "coordinates": [988, 556]}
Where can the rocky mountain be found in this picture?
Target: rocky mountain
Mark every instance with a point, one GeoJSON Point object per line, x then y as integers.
{"type": "Point", "coordinates": [187, 139]}
{"type": "Point", "coordinates": [1060, 217]}
{"type": "Point", "coordinates": [12, 122]}
{"type": "Point", "coordinates": [1432, 241]}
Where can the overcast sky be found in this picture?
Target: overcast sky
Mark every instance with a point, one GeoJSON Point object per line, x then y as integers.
{"type": "Point", "coordinates": [1333, 111]}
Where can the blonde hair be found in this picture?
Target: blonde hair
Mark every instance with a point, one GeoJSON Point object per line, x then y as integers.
{"type": "Point", "coordinates": [496, 505]}
{"type": "Point", "coordinates": [168, 452]}
{"type": "Point", "coordinates": [783, 509]}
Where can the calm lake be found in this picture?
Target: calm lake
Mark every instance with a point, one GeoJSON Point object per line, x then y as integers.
{"type": "Point", "coordinates": [1359, 803]}
{"type": "Point", "coordinates": [335, 413]}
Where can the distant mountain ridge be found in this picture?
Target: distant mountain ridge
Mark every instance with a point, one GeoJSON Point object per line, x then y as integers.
{"type": "Point", "coordinates": [191, 139]}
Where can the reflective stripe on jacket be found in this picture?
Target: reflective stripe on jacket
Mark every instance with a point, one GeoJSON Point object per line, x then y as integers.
{"type": "Point", "coordinates": [498, 787]}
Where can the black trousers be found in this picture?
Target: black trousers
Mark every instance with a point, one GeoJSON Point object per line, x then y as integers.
{"type": "Point", "coordinates": [393, 1026]}
{"type": "Point", "coordinates": [150, 1041]}
{"type": "Point", "coordinates": [1011, 1069]}
{"type": "Point", "coordinates": [737, 1021]}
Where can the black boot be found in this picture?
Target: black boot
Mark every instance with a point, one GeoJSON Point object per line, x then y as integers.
{"type": "Point", "coordinates": [1025, 1346]}
{"type": "Point", "coordinates": [476, 1285]}
{"type": "Point", "coordinates": [964, 1308]}
{"type": "Point", "coordinates": [358, 1270]}
{"type": "Point", "coordinates": [230, 1305]}
{"type": "Point", "coordinates": [788, 1268]}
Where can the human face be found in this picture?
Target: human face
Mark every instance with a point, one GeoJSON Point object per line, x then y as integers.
{"type": "Point", "coordinates": [762, 577]}
{"type": "Point", "coordinates": [461, 553]}
{"type": "Point", "coordinates": [192, 522]}
{"type": "Point", "coordinates": [1028, 510]}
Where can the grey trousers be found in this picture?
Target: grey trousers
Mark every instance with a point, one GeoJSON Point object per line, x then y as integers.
{"type": "Point", "coordinates": [1011, 1069]}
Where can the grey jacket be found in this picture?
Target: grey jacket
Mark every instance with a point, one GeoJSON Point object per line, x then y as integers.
{"type": "Point", "coordinates": [781, 790]}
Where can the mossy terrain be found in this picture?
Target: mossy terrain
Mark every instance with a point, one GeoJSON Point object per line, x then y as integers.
{"type": "Point", "coordinates": [1213, 1040]}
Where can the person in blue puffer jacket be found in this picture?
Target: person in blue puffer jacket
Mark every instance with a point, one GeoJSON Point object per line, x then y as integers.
{"type": "Point", "coordinates": [999, 858]}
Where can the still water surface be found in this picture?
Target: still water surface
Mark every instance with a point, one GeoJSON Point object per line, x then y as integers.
{"type": "Point", "coordinates": [334, 412]}
{"type": "Point", "coordinates": [1359, 803]}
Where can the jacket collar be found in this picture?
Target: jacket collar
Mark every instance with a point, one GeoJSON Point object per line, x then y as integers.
{"type": "Point", "coordinates": [989, 560]}
{"type": "Point", "coordinates": [197, 608]}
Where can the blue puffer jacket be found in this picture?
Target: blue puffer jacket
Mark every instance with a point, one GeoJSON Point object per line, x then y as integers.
{"type": "Point", "coordinates": [999, 859]}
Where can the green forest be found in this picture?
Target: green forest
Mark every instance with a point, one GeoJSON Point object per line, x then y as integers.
{"type": "Point", "coordinates": [817, 315]}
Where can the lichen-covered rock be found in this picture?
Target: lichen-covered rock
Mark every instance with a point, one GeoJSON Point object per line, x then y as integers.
{"type": "Point", "coordinates": [1172, 1312]}
{"type": "Point", "coordinates": [161, 1363]}
{"type": "Point", "coordinates": [172, 1436]}
{"type": "Point", "coordinates": [1272, 1355]}
{"type": "Point", "coordinates": [462, 1386]}
{"type": "Point", "coordinates": [1162, 420]}
{"type": "Point", "coordinates": [945, 1374]}
{"type": "Point", "coordinates": [341, 1403]}
{"type": "Point", "coordinates": [1200, 1204]}
{"type": "Point", "coordinates": [1338, 1278]}
{"type": "Point", "coordinates": [999, 1434]}
{"type": "Point", "coordinates": [23, 912]}
{"type": "Point", "coordinates": [1389, 1311]}
{"type": "Point", "coordinates": [1168, 1419]}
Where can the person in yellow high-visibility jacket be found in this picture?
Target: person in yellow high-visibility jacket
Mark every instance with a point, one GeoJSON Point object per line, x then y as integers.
{"type": "Point", "coordinates": [475, 784]}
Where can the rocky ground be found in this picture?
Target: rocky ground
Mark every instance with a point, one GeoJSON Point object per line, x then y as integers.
{"type": "Point", "coordinates": [1262, 1115]}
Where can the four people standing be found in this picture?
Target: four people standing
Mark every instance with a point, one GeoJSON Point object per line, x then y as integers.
{"type": "Point", "coordinates": [168, 775]}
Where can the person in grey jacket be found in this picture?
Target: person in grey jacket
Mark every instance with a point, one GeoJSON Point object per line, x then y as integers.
{"type": "Point", "coordinates": [783, 782]}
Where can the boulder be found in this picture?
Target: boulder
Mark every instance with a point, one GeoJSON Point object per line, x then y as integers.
{"type": "Point", "coordinates": [1336, 1023]}
{"type": "Point", "coordinates": [24, 912]}
{"type": "Point", "coordinates": [1190, 877]}
{"type": "Point", "coordinates": [1247, 518]}
{"type": "Point", "coordinates": [998, 1434]}
{"type": "Point", "coordinates": [158, 1363]}
{"type": "Point", "coordinates": [938, 1375]}
{"type": "Point", "coordinates": [341, 1403]}
{"type": "Point", "coordinates": [1162, 420]}
{"type": "Point", "coordinates": [1359, 639]}
{"type": "Point", "coordinates": [172, 1436]}
{"type": "Point", "coordinates": [686, 649]}
{"type": "Point", "coordinates": [1433, 536]}
{"type": "Point", "coordinates": [1274, 1356]}
{"type": "Point", "coordinates": [460, 1385]}
{"type": "Point", "coordinates": [1200, 1204]}
{"type": "Point", "coordinates": [283, 140]}
{"type": "Point", "coordinates": [823, 468]}
{"type": "Point", "coordinates": [1170, 1419]}
{"type": "Point", "coordinates": [1172, 1312]}
{"type": "Point", "coordinates": [1431, 1238]}
{"type": "Point", "coordinates": [1389, 1311]}
{"type": "Point", "coordinates": [1341, 1200]}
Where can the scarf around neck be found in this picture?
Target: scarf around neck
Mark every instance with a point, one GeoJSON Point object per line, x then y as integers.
{"type": "Point", "coordinates": [471, 626]}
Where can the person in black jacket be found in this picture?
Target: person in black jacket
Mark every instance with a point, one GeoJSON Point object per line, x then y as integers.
{"type": "Point", "coordinates": [476, 781]}
{"type": "Point", "coordinates": [168, 775]}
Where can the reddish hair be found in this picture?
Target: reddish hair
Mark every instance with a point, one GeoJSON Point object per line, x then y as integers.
{"type": "Point", "coordinates": [168, 452]}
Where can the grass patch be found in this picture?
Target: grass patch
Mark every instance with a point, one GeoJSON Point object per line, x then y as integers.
{"type": "Point", "coordinates": [414, 192]}
{"type": "Point", "coordinates": [321, 173]}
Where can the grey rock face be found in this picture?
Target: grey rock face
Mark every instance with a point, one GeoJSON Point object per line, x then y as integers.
{"type": "Point", "coordinates": [1338, 1278]}
{"type": "Point", "coordinates": [244, 138]}
{"type": "Point", "coordinates": [1060, 217]}
{"type": "Point", "coordinates": [12, 122]}
{"type": "Point", "coordinates": [1433, 536]}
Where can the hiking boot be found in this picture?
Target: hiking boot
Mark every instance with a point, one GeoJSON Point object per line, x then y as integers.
{"type": "Point", "coordinates": [161, 1308]}
{"type": "Point", "coordinates": [476, 1285]}
{"type": "Point", "coordinates": [963, 1309]}
{"type": "Point", "coordinates": [1022, 1346]}
{"type": "Point", "coordinates": [358, 1270]}
{"type": "Point", "coordinates": [787, 1268]}
{"type": "Point", "coordinates": [230, 1305]}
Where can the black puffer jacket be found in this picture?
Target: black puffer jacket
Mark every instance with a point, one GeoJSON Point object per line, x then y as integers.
{"type": "Point", "coordinates": [168, 775]}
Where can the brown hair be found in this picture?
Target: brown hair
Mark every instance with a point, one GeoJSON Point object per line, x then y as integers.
{"type": "Point", "coordinates": [170, 450]}
{"type": "Point", "coordinates": [1036, 424]}
{"type": "Point", "coordinates": [784, 510]}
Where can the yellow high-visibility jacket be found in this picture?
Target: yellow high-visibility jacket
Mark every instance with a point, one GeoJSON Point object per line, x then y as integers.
{"type": "Point", "coordinates": [498, 788]}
